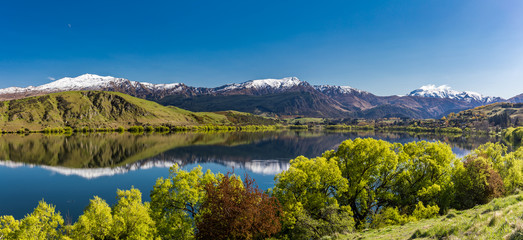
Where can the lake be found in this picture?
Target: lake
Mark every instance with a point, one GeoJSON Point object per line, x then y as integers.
{"type": "Point", "coordinates": [67, 171]}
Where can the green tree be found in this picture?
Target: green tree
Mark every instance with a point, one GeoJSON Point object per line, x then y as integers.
{"type": "Point", "coordinates": [370, 167]}
{"type": "Point", "coordinates": [425, 175]}
{"type": "Point", "coordinates": [8, 227]}
{"type": "Point", "coordinates": [513, 171]}
{"type": "Point", "coordinates": [96, 222]}
{"type": "Point", "coordinates": [42, 223]}
{"type": "Point", "coordinates": [131, 218]}
{"type": "Point", "coordinates": [308, 192]}
{"type": "Point", "coordinates": [176, 201]}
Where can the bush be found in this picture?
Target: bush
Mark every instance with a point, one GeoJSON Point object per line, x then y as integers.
{"type": "Point", "coordinates": [390, 216]}
{"type": "Point", "coordinates": [136, 129]}
{"type": "Point", "coordinates": [119, 129]}
{"type": "Point", "coordinates": [422, 212]}
{"type": "Point", "coordinates": [232, 210]}
{"type": "Point", "coordinates": [476, 182]}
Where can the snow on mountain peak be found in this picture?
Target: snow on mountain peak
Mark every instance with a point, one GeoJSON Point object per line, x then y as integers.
{"type": "Point", "coordinates": [89, 82]}
{"type": "Point", "coordinates": [85, 81]}
{"type": "Point", "coordinates": [445, 91]}
{"type": "Point", "coordinates": [274, 83]}
{"type": "Point", "coordinates": [283, 83]}
{"type": "Point", "coordinates": [337, 89]}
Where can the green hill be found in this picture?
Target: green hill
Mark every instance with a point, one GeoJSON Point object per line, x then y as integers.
{"type": "Point", "coordinates": [97, 109]}
{"type": "Point", "coordinates": [496, 114]}
{"type": "Point", "coordinates": [500, 219]}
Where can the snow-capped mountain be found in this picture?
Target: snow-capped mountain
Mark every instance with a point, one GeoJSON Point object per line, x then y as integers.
{"type": "Point", "coordinates": [445, 91]}
{"type": "Point", "coordinates": [262, 86]}
{"type": "Point", "coordinates": [263, 83]}
{"type": "Point", "coordinates": [91, 82]}
{"type": "Point", "coordinates": [330, 89]}
{"type": "Point", "coordinates": [275, 97]}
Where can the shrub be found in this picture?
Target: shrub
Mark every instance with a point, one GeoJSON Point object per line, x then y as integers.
{"type": "Point", "coordinates": [232, 210]}
{"type": "Point", "coordinates": [422, 212]}
{"type": "Point", "coordinates": [120, 129]}
{"type": "Point", "coordinates": [390, 216]}
{"type": "Point", "coordinates": [476, 182]}
{"type": "Point", "coordinates": [136, 129]}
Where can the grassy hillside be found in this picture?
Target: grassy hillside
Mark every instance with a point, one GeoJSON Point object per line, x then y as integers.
{"type": "Point", "coordinates": [97, 109]}
{"type": "Point", "coordinates": [497, 114]}
{"type": "Point", "coordinates": [500, 219]}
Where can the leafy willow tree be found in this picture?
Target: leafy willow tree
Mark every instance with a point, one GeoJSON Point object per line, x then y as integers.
{"type": "Point", "coordinates": [233, 209]}
{"type": "Point", "coordinates": [425, 176]}
{"type": "Point", "coordinates": [42, 223]}
{"type": "Point", "coordinates": [176, 201]}
{"type": "Point", "coordinates": [95, 223]}
{"type": "Point", "coordinates": [8, 227]}
{"type": "Point", "coordinates": [131, 218]}
{"type": "Point", "coordinates": [308, 192]}
{"type": "Point", "coordinates": [370, 168]}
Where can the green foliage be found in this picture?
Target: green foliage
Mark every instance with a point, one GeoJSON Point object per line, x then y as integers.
{"type": "Point", "coordinates": [131, 218]}
{"type": "Point", "coordinates": [369, 167]}
{"type": "Point", "coordinates": [8, 227]}
{"type": "Point", "coordinates": [128, 219]}
{"type": "Point", "coordinates": [390, 216]}
{"type": "Point", "coordinates": [162, 129]}
{"type": "Point", "coordinates": [119, 129]}
{"type": "Point", "coordinates": [96, 222]}
{"type": "Point", "coordinates": [136, 129]}
{"type": "Point", "coordinates": [176, 201]}
{"type": "Point", "coordinates": [308, 192]}
{"type": "Point", "coordinates": [508, 165]}
{"type": "Point", "coordinates": [42, 223]}
{"type": "Point", "coordinates": [425, 175]}
{"type": "Point", "coordinates": [422, 212]}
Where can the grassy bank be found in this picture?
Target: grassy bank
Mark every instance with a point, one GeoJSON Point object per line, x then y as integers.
{"type": "Point", "coordinates": [500, 219]}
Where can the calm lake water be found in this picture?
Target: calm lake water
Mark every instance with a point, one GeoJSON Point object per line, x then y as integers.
{"type": "Point", "coordinates": [67, 171]}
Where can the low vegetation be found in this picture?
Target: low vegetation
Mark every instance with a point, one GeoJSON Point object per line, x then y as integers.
{"type": "Point", "coordinates": [366, 188]}
{"type": "Point", "coordinates": [500, 219]}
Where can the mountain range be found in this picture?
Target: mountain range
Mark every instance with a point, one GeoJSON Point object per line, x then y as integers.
{"type": "Point", "coordinates": [286, 97]}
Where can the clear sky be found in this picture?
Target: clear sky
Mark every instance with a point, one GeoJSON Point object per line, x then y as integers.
{"type": "Point", "coordinates": [385, 47]}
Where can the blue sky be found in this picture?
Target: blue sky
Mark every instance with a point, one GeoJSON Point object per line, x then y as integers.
{"type": "Point", "coordinates": [385, 47]}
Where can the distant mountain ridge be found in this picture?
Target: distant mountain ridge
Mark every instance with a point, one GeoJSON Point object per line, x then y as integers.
{"type": "Point", "coordinates": [276, 97]}
{"type": "Point", "coordinates": [445, 91]}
